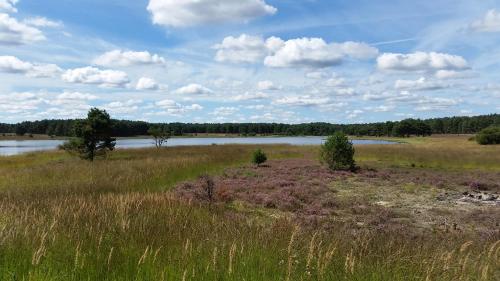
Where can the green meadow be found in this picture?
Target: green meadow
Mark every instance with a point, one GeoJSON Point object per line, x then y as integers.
{"type": "Point", "coordinates": [119, 218]}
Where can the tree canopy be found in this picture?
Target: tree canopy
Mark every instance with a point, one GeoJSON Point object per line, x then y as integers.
{"type": "Point", "coordinates": [125, 128]}
{"type": "Point", "coordinates": [92, 135]}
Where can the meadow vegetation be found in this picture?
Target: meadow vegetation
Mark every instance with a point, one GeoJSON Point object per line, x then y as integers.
{"type": "Point", "coordinates": [123, 218]}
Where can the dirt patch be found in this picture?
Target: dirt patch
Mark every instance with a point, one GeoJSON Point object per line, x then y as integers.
{"type": "Point", "coordinates": [427, 200]}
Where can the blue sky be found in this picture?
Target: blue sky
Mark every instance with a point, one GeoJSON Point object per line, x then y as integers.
{"type": "Point", "coordinates": [287, 61]}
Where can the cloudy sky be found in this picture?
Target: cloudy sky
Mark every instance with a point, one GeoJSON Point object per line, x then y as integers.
{"type": "Point", "coordinates": [292, 61]}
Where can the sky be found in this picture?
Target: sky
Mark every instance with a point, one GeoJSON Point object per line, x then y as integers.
{"type": "Point", "coordinates": [287, 61]}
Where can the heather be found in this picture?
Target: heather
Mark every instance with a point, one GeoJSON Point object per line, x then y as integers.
{"type": "Point", "coordinates": [145, 214]}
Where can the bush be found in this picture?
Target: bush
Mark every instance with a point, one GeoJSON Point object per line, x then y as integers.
{"type": "Point", "coordinates": [489, 135]}
{"type": "Point", "coordinates": [338, 153]}
{"type": "Point", "coordinates": [259, 157]}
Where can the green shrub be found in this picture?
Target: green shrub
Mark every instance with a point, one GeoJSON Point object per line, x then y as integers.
{"type": "Point", "coordinates": [259, 157]}
{"type": "Point", "coordinates": [489, 135]}
{"type": "Point", "coordinates": [338, 153]}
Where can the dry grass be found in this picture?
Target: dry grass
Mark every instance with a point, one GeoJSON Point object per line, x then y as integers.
{"type": "Point", "coordinates": [66, 219]}
{"type": "Point", "coordinates": [452, 152]}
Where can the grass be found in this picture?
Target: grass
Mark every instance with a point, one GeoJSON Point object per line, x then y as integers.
{"type": "Point", "coordinates": [450, 152]}
{"type": "Point", "coordinates": [65, 219]}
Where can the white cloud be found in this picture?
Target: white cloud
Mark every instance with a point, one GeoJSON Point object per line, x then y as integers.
{"type": "Point", "coordinates": [242, 49]}
{"type": "Point", "coordinates": [182, 13]}
{"type": "Point", "coordinates": [128, 58]}
{"type": "Point", "coordinates": [123, 107]}
{"type": "Point", "coordinates": [224, 111]}
{"type": "Point", "coordinates": [71, 99]}
{"type": "Point", "coordinates": [422, 84]}
{"type": "Point", "coordinates": [306, 100]}
{"type": "Point", "coordinates": [193, 89]}
{"type": "Point", "coordinates": [302, 52]}
{"type": "Point", "coordinates": [352, 114]}
{"type": "Point", "coordinates": [42, 22]}
{"type": "Point", "coordinates": [146, 83]}
{"type": "Point", "coordinates": [335, 82]}
{"type": "Point", "coordinates": [452, 74]}
{"type": "Point", "coordinates": [344, 92]}
{"type": "Point", "coordinates": [316, 53]}
{"type": "Point", "coordinates": [95, 76]}
{"type": "Point", "coordinates": [11, 64]}
{"type": "Point", "coordinates": [489, 23]}
{"type": "Point", "coordinates": [8, 6]}
{"type": "Point", "coordinates": [382, 108]}
{"type": "Point", "coordinates": [435, 104]}
{"type": "Point", "coordinates": [251, 96]}
{"type": "Point", "coordinates": [171, 107]}
{"type": "Point", "coordinates": [19, 103]}
{"type": "Point", "coordinates": [317, 75]}
{"type": "Point", "coordinates": [267, 85]}
{"type": "Point", "coordinates": [421, 61]}
{"type": "Point", "coordinates": [13, 32]}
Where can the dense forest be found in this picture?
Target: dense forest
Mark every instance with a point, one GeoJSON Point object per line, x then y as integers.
{"type": "Point", "coordinates": [125, 128]}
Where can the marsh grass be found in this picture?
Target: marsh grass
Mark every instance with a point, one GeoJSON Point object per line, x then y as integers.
{"type": "Point", "coordinates": [66, 219]}
{"type": "Point", "coordinates": [435, 152]}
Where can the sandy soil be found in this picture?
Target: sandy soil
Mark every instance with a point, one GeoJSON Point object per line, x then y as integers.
{"type": "Point", "coordinates": [386, 198]}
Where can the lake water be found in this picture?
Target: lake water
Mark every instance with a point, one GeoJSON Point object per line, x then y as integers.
{"type": "Point", "coordinates": [18, 147]}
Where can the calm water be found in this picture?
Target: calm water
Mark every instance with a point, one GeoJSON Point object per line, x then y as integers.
{"type": "Point", "coordinates": [19, 147]}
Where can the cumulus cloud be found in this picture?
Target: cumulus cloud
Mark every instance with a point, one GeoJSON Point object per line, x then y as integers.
{"type": "Point", "coordinates": [267, 86]}
{"type": "Point", "coordinates": [183, 13]}
{"type": "Point", "coordinates": [302, 52]}
{"type": "Point", "coordinates": [172, 107]}
{"type": "Point", "coordinates": [316, 53]}
{"type": "Point", "coordinates": [11, 64]}
{"type": "Point", "coordinates": [17, 103]}
{"type": "Point", "coordinates": [421, 62]}
{"type": "Point", "coordinates": [146, 83]}
{"type": "Point", "coordinates": [489, 23]}
{"type": "Point", "coordinates": [13, 32]}
{"type": "Point", "coordinates": [128, 58]}
{"type": "Point", "coordinates": [422, 84]}
{"type": "Point", "coordinates": [251, 96]}
{"type": "Point", "coordinates": [193, 89]}
{"type": "Point", "coordinates": [123, 107]}
{"type": "Point", "coordinates": [95, 76]}
{"type": "Point", "coordinates": [306, 101]}
{"type": "Point", "coordinates": [8, 6]}
{"type": "Point", "coordinates": [242, 49]}
{"type": "Point", "coordinates": [72, 99]}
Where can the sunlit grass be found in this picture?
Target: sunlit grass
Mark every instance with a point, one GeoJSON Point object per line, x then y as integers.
{"type": "Point", "coordinates": [62, 218]}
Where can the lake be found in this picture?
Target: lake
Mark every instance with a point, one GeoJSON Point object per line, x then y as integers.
{"type": "Point", "coordinates": [11, 147]}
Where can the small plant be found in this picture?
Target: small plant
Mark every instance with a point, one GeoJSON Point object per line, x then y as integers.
{"type": "Point", "coordinates": [338, 153]}
{"type": "Point", "coordinates": [259, 157]}
{"type": "Point", "coordinates": [208, 186]}
{"type": "Point", "coordinates": [160, 136]}
{"type": "Point", "coordinates": [489, 135]}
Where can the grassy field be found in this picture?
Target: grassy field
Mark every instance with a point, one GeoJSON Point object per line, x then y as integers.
{"type": "Point", "coordinates": [117, 219]}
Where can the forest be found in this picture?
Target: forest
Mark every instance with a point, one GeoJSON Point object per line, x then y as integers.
{"type": "Point", "coordinates": [407, 127]}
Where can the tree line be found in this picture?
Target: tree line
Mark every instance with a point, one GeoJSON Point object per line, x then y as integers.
{"type": "Point", "coordinates": [407, 127]}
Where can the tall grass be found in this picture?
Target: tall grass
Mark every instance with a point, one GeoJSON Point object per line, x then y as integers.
{"type": "Point", "coordinates": [66, 219]}
{"type": "Point", "coordinates": [153, 236]}
{"type": "Point", "coordinates": [436, 152]}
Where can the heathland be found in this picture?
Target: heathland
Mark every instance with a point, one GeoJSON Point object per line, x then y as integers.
{"type": "Point", "coordinates": [425, 209]}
